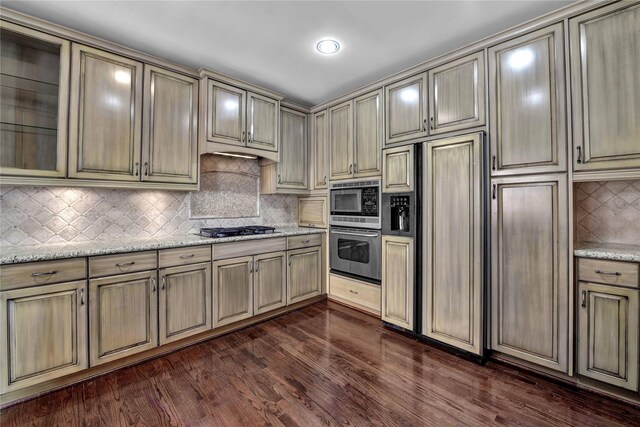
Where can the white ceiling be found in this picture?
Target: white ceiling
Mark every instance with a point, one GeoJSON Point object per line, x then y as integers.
{"type": "Point", "coordinates": [272, 43]}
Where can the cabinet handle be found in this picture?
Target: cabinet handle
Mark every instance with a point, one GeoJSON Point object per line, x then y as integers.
{"type": "Point", "coordinates": [305, 241]}
{"type": "Point", "coordinates": [493, 191]}
{"type": "Point", "coordinates": [279, 179]}
{"type": "Point", "coordinates": [353, 292]}
{"type": "Point", "coordinates": [81, 296]}
{"type": "Point", "coordinates": [256, 266]}
{"type": "Point", "coordinates": [125, 264]}
{"type": "Point", "coordinates": [584, 298]}
{"type": "Point", "coordinates": [579, 160]}
{"type": "Point", "coordinates": [355, 168]}
{"type": "Point", "coordinates": [47, 273]}
{"type": "Point", "coordinates": [351, 168]}
{"type": "Point", "coordinates": [146, 168]}
{"type": "Point", "coordinates": [424, 125]}
{"type": "Point", "coordinates": [187, 256]}
{"type": "Point", "coordinates": [289, 260]}
{"type": "Point", "coordinates": [250, 137]}
{"type": "Point", "coordinates": [137, 168]}
{"type": "Point", "coordinates": [609, 273]}
{"type": "Point", "coordinates": [153, 284]}
{"type": "Point", "coordinates": [324, 181]}
{"type": "Point", "coordinates": [431, 127]}
{"type": "Point", "coordinates": [493, 163]}
{"type": "Point", "coordinates": [164, 283]}
{"type": "Point", "coordinates": [242, 136]}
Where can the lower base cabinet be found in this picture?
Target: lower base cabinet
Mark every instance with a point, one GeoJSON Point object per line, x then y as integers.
{"type": "Point", "coordinates": [398, 280]}
{"type": "Point", "coordinates": [608, 334]}
{"type": "Point", "coordinates": [185, 301]}
{"type": "Point", "coordinates": [304, 277]}
{"type": "Point", "coordinates": [43, 331]}
{"type": "Point", "coordinates": [123, 317]}
{"type": "Point", "coordinates": [232, 290]}
{"type": "Point", "coordinates": [269, 282]}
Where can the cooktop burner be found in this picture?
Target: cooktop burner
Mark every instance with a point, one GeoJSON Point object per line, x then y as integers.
{"type": "Point", "coordinates": [218, 232]}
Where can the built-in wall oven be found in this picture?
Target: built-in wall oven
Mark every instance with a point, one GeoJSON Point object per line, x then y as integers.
{"type": "Point", "coordinates": [356, 252]}
{"type": "Point", "coordinates": [355, 204]}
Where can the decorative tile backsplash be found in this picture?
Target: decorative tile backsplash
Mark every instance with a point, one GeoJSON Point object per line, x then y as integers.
{"type": "Point", "coordinates": [607, 212]}
{"type": "Point", "coordinates": [33, 215]}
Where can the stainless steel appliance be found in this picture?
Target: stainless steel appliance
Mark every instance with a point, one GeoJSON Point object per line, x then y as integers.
{"type": "Point", "coordinates": [219, 232]}
{"type": "Point", "coordinates": [356, 252]}
{"type": "Point", "coordinates": [355, 204]}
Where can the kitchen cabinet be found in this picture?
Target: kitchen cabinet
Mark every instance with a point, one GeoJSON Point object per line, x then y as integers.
{"type": "Point", "coordinates": [355, 293]}
{"type": "Point", "coordinates": [605, 59]}
{"type": "Point", "coordinates": [453, 276]}
{"type": "Point", "coordinates": [406, 109]}
{"type": "Point", "coordinates": [232, 290]}
{"type": "Point", "coordinates": [529, 269]}
{"type": "Point", "coordinates": [170, 132]}
{"type": "Point", "coordinates": [312, 212]}
{"type": "Point", "coordinates": [105, 120]}
{"type": "Point", "coordinates": [398, 280]}
{"type": "Point", "coordinates": [43, 331]}
{"type": "Point", "coordinates": [184, 301]}
{"type": "Point", "coordinates": [398, 169]}
{"type": "Point", "coordinates": [34, 87]}
{"type": "Point", "coordinates": [367, 134]}
{"type": "Point", "coordinates": [123, 316]}
{"type": "Point", "coordinates": [341, 140]}
{"type": "Point", "coordinates": [527, 104]}
{"type": "Point", "coordinates": [320, 149]}
{"type": "Point", "coordinates": [262, 122]}
{"type": "Point", "coordinates": [304, 274]}
{"type": "Point", "coordinates": [270, 282]}
{"type": "Point", "coordinates": [456, 95]}
{"type": "Point", "coordinates": [292, 168]}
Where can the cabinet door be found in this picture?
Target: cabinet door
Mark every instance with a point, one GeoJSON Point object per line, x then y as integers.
{"type": "Point", "coordinates": [269, 282]}
{"type": "Point", "coordinates": [34, 92]}
{"type": "Point", "coordinates": [527, 104]}
{"type": "Point", "coordinates": [232, 290]}
{"type": "Point", "coordinates": [123, 316]}
{"type": "Point", "coordinates": [605, 59]}
{"type": "Point", "coordinates": [185, 301]}
{"type": "Point", "coordinates": [225, 114]}
{"type": "Point", "coordinates": [398, 169]}
{"type": "Point", "coordinates": [529, 271]}
{"type": "Point", "coordinates": [320, 150]}
{"type": "Point", "coordinates": [341, 140]}
{"type": "Point", "coordinates": [292, 168]}
{"type": "Point", "coordinates": [262, 122]}
{"type": "Point", "coordinates": [170, 137]}
{"type": "Point", "coordinates": [398, 280]}
{"type": "Point", "coordinates": [456, 95]}
{"type": "Point", "coordinates": [43, 331]}
{"type": "Point", "coordinates": [304, 275]}
{"type": "Point", "coordinates": [608, 334]}
{"type": "Point", "coordinates": [367, 134]}
{"type": "Point", "coordinates": [453, 247]}
{"type": "Point", "coordinates": [406, 109]}
{"type": "Point", "coordinates": [312, 212]}
{"type": "Point", "coordinates": [105, 116]}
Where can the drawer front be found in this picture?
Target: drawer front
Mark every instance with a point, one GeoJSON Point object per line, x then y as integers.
{"type": "Point", "coordinates": [109, 265]}
{"type": "Point", "coordinates": [42, 273]}
{"type": "Point", "coordinates": [305, 241]}
{"type": "Point", "coordinates": [184, 256]}
{"type": "Point", "coordinates": [363, 294]}
{"type": "Point", "coordinates": [248, 248]}
{"type": "Point", "coordinates": [608, 272]}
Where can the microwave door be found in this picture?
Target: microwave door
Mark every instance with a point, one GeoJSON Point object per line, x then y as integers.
{"type": "Point", "coordinates": [346, 202]}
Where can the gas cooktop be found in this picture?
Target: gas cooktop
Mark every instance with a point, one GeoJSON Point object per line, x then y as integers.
{"type": "Point", "coordinates": [247, 230]}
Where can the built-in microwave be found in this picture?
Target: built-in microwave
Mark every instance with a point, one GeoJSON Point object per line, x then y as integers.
{"type": "Point", "coordinates": [355, 204]}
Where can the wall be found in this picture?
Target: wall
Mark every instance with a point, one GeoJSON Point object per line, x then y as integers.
{"type": "Point", "coordinates": [607, 212]}
{"type": "Point", "coordinates": [33, 215]}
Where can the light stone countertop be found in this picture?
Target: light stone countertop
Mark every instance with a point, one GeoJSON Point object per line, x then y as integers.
{"type": "Point", "coordinates": [33, 253]}
{"type": "Point", "coordinates": [610, 251]}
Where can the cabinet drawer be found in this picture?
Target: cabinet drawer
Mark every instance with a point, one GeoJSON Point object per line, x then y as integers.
{"type": "Point", "coordinates": [184, 256]}
{"type": "Point", "coordinates": [109, 265]}
{"type": "Point", "coordinates": [42, 273]}
{"type": "Point", "coordinates": [361, 294]}
{"type": "Point", "coordinates": [305, 241]}
{"type": "Point", "coordinates": [250, 247]}
{"type": "Point", "coordinates": [608, 272]}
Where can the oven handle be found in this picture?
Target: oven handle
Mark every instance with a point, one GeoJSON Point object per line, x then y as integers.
{"type": "Point", "coordinates": [348, 233]}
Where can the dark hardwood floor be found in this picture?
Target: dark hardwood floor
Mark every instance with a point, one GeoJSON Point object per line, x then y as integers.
{"type": "Point", "coordinates": [322, 365]}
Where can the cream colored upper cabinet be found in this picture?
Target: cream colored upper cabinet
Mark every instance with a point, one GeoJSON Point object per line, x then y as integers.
{"type": "Point", "coordinates": [226, 114]}
{"type": "Point", "coordinates": [367, 134]}
{"type": "Point", "coordinates": [529, 269]}
{"type": "Point", "coordinates": [185, 301]}
{"type": "Point", "coordinates": [262, 122]}
{"type": "Point", "coordinates": [341, 140]}
{"type": "Point", "coordinates": [406, 109]}
{"type": "Point", "coordinates": [398, 280]}
{"type": "Point", "coordinates": [320, 144]}
{"type": "Point", "coordinates": [312, 212]}
{"type": "Point", "coordinates": [605, 59]}
{"type": "Point", "coordinates": [232, 290]}
{"type": "Point", "coordinates": [292, 168]}
{"type": "Point", "coordinates": [456, 95]}
{"type": "Point", "coordinates": [304, 275]}
{"type": "Point", "coordinates": [527, 104]}
{"type": "Point", "coordinates": [453, 275]}
{"type": "Point", "coordinates": [269, 282]}
{"type": "Point", "coordinates": [34, 89]}
{"type": "Point", "coordinates": [170, 136]}
{"type": "Point", "coordinates": [105, 116]}
{"type": "Point", "coordinates": [43, 334]}
{"type": "Point", "coordinates": [398, 169]}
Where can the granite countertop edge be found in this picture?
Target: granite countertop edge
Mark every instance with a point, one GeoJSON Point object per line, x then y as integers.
{"type": "Point", "coordinates": [34, 253]}
{"type": "Point", "coordinates": [612, 252]}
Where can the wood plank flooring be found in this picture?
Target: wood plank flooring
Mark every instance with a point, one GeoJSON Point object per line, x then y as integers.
{"type": "Point", "coordinates": [322, 365]}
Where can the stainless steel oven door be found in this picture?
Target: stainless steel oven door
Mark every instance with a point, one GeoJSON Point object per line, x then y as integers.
{"type": "Point", "coordinates": [356, 251]}
{"type": "Point", "coordinates": [346, 201]}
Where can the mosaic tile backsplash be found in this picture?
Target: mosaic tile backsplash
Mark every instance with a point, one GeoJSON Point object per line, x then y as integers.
{"type": "Point", "coordinates": [33, 215]}
{"type": "Point", "coordinates": [607, 212]}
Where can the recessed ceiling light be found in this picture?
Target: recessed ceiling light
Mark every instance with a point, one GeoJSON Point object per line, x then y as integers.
{"type": "Point", "coordinates": [328, 46]}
